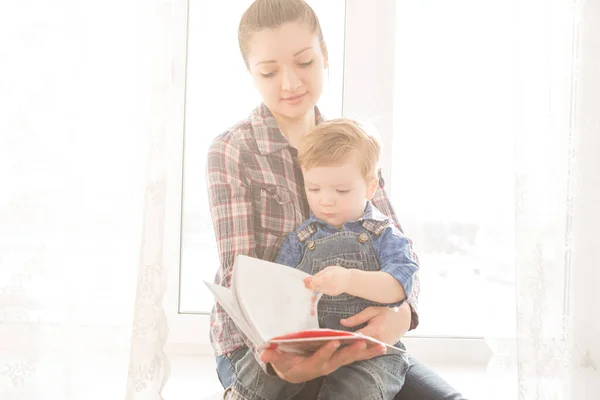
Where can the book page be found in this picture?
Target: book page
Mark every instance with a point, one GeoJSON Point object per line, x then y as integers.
{"type": "Point", "coordinates": [226, 299]}
{"type": "Point", "coordinates": [273, 297]}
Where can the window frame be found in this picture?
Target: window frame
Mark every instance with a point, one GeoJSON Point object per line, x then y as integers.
{"type": "Point", "coordinates": [366, 24]}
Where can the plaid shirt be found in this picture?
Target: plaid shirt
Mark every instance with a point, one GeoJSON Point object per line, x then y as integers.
{"type": "Point", "coordinates": [256, 196]}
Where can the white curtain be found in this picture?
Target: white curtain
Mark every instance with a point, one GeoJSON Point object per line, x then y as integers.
{"type": "Point", "coordinates": [551, 350]}
{"type": "Point", "coordinates": [85, 88]}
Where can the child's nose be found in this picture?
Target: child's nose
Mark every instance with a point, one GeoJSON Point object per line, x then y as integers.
{"type": "Point", "coordinates": [327, 200]}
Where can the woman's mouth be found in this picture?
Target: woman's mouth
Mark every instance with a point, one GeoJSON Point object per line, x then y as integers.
{"type": "Point", "coordinates": [294, 99]}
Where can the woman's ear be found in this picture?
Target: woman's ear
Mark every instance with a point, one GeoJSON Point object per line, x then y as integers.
{"type": "Point", "coordinates": [372, 188]}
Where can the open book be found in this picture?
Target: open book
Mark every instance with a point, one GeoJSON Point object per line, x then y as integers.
{"type": "Point", "coordinates": [270, 304]}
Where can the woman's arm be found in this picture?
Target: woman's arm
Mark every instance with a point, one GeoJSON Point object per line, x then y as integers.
{"type": "Point", "coordinates": [230, 201]}
{"type": "Point", "coordinates": [231, 207]}
{"type": "Point", "coordinates": [387, 324]}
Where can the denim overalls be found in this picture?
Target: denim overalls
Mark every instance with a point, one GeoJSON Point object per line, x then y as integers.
{"type": "Point", "coordinates": [376, 379]}
{"type": "Point", "coordinates": [346, 249]}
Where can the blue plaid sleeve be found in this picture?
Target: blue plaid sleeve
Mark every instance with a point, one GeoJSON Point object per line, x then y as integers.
{"type": "Point", "coordinates": [291, 251]}
{"type": "Point", "coordinates": [395, 257]}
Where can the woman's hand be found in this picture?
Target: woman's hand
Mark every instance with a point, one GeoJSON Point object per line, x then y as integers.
{"type": "Point", "coordinates": [296, 368]}
{"type": "Point", "coordinates": [385, 324]}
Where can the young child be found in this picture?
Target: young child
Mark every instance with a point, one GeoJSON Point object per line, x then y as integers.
{"type": "Point", "coordinates": [355, 254]}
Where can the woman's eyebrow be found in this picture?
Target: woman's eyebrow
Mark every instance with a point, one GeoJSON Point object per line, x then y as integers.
{"type": "Point", "coordinates": [300, 51]}
{"type": "Point", "coordinates": [265, 62]}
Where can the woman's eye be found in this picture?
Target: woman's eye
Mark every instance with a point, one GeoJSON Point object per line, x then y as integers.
{"type": "Point", "coordinates": [313, 190]}
{"type": "Point", "coordinates": [343, 191]}
{"type": "Point", "coordinates": [268, 74]}
{"type": "Point", "coordinates": [306, 64]}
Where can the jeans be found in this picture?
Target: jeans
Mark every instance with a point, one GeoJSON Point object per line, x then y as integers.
{"type": "Point", "coordinates": [379, 378]}
{"type": "Point", "coordinates": [421, 382]}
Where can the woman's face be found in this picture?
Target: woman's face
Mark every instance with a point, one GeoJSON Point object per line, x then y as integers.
{"type": "Point", "coordinates": [287, 65]}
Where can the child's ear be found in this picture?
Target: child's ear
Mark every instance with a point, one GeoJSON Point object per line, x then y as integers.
{"type": "Point", "coordinates": [372, 188]}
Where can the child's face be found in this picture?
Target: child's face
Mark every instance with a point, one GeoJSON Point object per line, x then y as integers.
{"type": "Point", "coordinates": [338, 194]}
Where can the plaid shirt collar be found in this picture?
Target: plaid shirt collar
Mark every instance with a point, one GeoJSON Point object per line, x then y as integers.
{"type": "Point", "coordinates": [267, 135]}
{"type": "Point", "coordinates": [372, 214]}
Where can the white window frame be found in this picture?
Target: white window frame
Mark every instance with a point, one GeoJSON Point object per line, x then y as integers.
{"type": "Point", "coordinates": [370, 35]}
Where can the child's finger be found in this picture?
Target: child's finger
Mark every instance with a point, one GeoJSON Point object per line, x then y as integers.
{"type": "Point", "coordinates": [313, 302]}
{"type": "Point", "coordinates": [317, 283]}
{"type": "Point", "coordinates": [308, 282]}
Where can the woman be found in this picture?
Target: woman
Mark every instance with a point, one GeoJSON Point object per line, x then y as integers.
{"type": "Point", "coordinates": [256, 197]}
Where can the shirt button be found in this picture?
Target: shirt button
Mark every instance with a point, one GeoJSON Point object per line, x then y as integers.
{"type": "Point", "coordinates": [363, 237]}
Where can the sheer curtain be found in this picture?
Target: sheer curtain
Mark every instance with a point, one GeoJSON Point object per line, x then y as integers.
{"type": "Point", "coordinates": [85, 95]}
{"type": "Point", "coordinates": [551, 348]}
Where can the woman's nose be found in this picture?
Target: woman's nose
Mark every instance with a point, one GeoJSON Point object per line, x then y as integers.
{"type": "Point", "coordinates": [291, 82]}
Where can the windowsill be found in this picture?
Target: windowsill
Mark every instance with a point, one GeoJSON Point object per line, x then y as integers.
{"type": "Point", "coordinates": [461, 361]}
{"type": "Point", "coordinates": [194, 377]}
{"type": "Point", "coordinates": [462, 352]}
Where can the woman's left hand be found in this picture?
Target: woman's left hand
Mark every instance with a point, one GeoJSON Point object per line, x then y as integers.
{"type": "Point", "coordinates": [297, 368]}
{"type": "Point", "coordinates": [385, 324]}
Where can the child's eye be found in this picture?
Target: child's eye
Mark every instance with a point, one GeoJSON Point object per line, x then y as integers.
{"type": "Point", "coordinates": [313, 190]}
{"type": "Point", "coordinates": [342, 191]}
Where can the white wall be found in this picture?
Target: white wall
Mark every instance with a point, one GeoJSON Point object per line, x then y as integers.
{"type": "Point", "coordinates": [585, 263]}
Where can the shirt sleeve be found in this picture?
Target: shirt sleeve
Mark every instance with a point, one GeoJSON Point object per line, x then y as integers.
{"type": "Point", "coordinates": [395, 257]}
{"type": "Point", "coordinates": [291, 252]}
{"type": "Point", "coordinates": [230, 201]}
{"type": "Point", "coordinates": [381, 201]}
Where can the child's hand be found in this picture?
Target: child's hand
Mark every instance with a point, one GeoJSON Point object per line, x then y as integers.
{"type": "Point", "coordinates": [332, 281]}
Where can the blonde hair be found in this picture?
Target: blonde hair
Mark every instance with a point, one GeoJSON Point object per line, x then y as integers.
{"type": "Point", "coordinates": [270, 14]}
{"type": "Point", "coordinates": [337, 141]}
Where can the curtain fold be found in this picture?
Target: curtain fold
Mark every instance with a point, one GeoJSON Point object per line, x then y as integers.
{"type": "Point", "coordinates": [85, 92]}
{"type": "Point", "coordinates": [540, 354]}
{"type": "Point", "coordinates": [157, 44]}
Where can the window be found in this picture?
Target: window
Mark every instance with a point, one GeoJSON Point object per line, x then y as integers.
{"type": "Point", "coordinates": [219, 92]}
{"type": "Point", "coordinates": [439, 96]}
{"type": "Point", "coordinates": [452, 178]}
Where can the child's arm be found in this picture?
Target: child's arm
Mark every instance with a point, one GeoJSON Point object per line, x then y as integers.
{"type": "Point", "coordinates": [391, 284]}
{"type": "Point", "coordinates": [377, 286]}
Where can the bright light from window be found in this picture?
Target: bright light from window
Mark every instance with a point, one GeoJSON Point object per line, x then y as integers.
{"type": "Point", "coordinates": [452, 176]}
